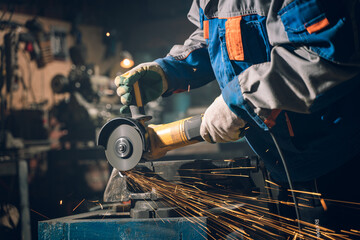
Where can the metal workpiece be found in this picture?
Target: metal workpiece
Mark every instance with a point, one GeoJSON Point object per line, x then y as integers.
{"type": "Point", "coordinates": [153, 209]}
{"type": "Point", "coordinates": [152, 195]}
{"type": "Point", "coordinates": [117, 191]}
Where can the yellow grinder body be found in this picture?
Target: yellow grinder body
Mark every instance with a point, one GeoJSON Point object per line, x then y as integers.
{"type": "Point", "coordinates": [127, 141]}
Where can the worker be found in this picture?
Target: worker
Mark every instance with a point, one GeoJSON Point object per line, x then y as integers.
{"type": "Point", "coordinates": [287, 69]}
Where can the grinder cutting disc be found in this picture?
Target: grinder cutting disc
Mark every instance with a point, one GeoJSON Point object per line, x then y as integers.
{"type": "Point", "coordinates": [124, 148]}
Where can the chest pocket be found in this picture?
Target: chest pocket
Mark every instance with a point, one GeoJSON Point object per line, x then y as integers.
{"type": "Point", "coordinates": [326, 31]}
{"type": "Point", "coordinates": [220, 58]}
{"type": "Point", "coordinates": [235, 44]}
{"type": "Point", "coordinates": [247, 41]}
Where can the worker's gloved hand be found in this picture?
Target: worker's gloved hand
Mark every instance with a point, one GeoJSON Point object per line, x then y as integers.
{"type": "Point", "coordinates": [220, 124]}
{"type": "Point", "coordinates": [152, 83]}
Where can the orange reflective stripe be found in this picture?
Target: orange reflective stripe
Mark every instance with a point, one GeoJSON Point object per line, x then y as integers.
{"type": "Point", "coordinates": [206, 29]}
{"type": "Point", "coordinates": [270, 121]}
{"type": "Point", "coordinates": [318, 26]}
{"type": "Point", "coordinates": [179, 91]}
{"type": "Point", "coordinates": [291, 131]}
{"type": "Point", "coordinates": [233, 39]}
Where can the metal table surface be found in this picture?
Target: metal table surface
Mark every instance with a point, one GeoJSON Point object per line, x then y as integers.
{"type": "Point", "coordinates": [97, 225]}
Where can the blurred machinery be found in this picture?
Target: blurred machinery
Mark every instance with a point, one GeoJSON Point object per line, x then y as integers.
{"type": "Point", "coordinates": [37, 43]}
{"type": "Point", "coordinates": [91, 99]}
{"type": "Point", "coordinates": [77, 113]}
{"type": "Point", "coordinates": [19, 129]}
{"type": "Point", "coordinates": [26, 134]}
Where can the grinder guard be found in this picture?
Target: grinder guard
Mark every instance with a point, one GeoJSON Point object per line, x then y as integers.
{"type": "Point", "coordinates": [108, 133]}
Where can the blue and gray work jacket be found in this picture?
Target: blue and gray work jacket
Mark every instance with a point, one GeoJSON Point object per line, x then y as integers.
{"type": "Point", "coordinates": [292, 67]}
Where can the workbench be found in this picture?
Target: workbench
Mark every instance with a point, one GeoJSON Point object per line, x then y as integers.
{"type": "Point", "coordinates": [100, 225]}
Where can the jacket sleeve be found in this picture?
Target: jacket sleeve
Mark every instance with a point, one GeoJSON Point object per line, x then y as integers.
{"type": "Point", "coordinates": [188, 65]}
{"type": "Point", "coordinates": [307, 71]}
{"type": "Point", "coordinates": [294, 80]}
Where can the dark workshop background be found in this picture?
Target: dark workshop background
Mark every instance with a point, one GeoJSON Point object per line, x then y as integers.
{"type": "Point", "coordinates": [52, 105]}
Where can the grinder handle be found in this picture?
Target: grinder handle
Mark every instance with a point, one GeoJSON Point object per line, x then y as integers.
{"type": "Point", "coordinates": [137, 109]}
{"type": "Point", "coordinates": [192, 128]}
{"type": "Point", "coordinates": [166, 137]}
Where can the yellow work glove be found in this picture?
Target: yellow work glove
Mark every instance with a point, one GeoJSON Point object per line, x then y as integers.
{"type": "Point", "coordinates": [152, 84]}
{"type": "Point", "coordinates": [220, 124]}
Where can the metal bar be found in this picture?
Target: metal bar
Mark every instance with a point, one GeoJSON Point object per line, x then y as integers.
{"type": "Point", "coordinates": [24, 200]}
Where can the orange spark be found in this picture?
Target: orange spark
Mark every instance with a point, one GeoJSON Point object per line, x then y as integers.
{"type": "Point", "coordinates": [78, 204]}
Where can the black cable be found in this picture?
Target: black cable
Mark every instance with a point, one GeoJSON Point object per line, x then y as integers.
{"type": "Point", "coordinates": [2, 100]}
{"type": "Point", "coordinates": [2, 16]}
{"type": "Point", "coordinates": [11, 14]}
{"type": "Point", "coordinates": [288, 178]}
{"type": "Point", "coordinates": [24, 98]}
{"type": "Point", "coordinates": [2, 75]}
{"type": "Point", "coordinates": [5, 11]}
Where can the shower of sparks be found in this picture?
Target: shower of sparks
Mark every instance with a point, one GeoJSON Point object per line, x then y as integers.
{"type": "Point", "coordinates": [223, 174]}
{"type": "Point", "coordinates": [338, 201]}
{"type": "Point", "coordinates": [229, 160]}
{"type": "Point", "coordinates": [304, 192]}
{"type": "Point", "coordinates": [352, 232]}
{"type": "Point", "coordinates": [78, 205]}
{"type": "Point", "coordinates": [97, 202]}
{"type": "Point", "coordinates": [216, 169]}
{"type": "Point", "coordinates": [268, 181]}
{"type": "Point", "coordinates": [230, 212]}
{"type": "Point", "coordinates": [39, 214]}
{"type": "Point", "coordinates": [323, 204]}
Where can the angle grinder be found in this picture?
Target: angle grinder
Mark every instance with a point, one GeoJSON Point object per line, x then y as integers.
{"type": "Point", "coordinates": [128, 140]}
